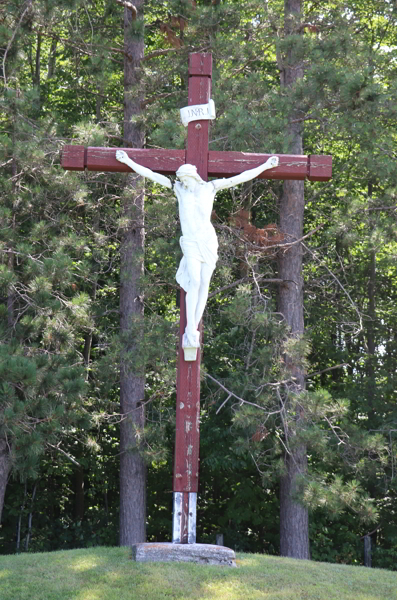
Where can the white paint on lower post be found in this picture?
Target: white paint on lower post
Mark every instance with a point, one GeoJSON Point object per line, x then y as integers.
{"type": "Point", "coordinates": [191, 530]}
{"type": "Point", "coordinates": [177, 518]}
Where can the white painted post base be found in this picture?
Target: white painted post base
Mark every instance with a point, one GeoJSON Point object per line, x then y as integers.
{"type": "Point", "coordinates": [179, 519]}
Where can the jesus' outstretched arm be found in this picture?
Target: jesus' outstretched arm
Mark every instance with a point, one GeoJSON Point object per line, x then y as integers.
{"type": "Point", "coordinates": [222, 184]}
{"type": "Point", "coordinates": [123, 157]}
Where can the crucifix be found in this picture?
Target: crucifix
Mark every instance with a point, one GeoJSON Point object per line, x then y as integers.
{"type": "Point", "coordinates": [193, 166]}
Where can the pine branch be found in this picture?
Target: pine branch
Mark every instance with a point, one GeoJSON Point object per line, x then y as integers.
{"type": "Point", "coordinates": [74, 45]}
{"type": "Point", "coordinates": [12, 39]}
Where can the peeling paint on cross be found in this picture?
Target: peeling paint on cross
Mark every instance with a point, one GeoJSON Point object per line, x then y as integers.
{"type": "Point", "coordinates": [213, 164]}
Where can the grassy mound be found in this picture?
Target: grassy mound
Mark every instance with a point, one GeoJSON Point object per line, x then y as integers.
{"type": "Point", "coordinates": [110, 574]}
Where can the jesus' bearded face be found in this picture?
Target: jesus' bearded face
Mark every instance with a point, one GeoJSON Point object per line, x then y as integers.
{"type": "Point", "coordinates": [187, 181]}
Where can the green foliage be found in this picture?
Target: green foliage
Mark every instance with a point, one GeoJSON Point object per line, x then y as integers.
{"type": "Point", "coordinates": [59, 275]}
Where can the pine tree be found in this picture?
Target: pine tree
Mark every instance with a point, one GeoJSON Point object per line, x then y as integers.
{"type": "Point", "coordinates": [44, 312]}
{"type": "Point", "coordinates": [294, 518]}
{"type": "Point", "coordinates": [132, 378]}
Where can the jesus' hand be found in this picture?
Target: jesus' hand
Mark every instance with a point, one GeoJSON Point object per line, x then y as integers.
{"type": "Point", "coordinates": [122, 156]}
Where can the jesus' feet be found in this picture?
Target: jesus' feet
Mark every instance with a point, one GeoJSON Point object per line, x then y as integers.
{"type": "Point", "coordinates": [191, 339]}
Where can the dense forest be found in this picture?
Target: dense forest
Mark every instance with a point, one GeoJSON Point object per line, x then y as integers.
{"type": "Point", "coordinates": [298, 393]}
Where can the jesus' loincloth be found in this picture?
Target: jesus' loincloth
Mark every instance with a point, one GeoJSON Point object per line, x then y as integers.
{"type": "Point", "coordinates": [203, 247]}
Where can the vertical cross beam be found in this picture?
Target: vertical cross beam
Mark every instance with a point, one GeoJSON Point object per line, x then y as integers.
{"type": "Point", "coordinates": [187, 436]}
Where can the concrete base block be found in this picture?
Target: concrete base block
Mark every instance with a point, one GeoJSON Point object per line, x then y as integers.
{"type": "Point", "coordinates": [205, 554]}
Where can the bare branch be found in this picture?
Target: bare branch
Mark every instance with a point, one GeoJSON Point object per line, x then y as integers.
{"type": "Point", "coordinates": [223, 404]}
{"type": "Point", "coordinates": [256, 58]}
{"type": "Point", "coordinates": [322, 263]}
{"type": "Point", "coordinates": [6, 163]}
{"type": "Point", "coordinates": [334, 431]}
{"type": "Point", "coordinates": [129, 6]}
{"type": "Point", "coordinates": [288, 244]}
{"type": "Point", "coordinates": [158, 53]}
{"type": "Point", "coordinates": [325, 370]}
{"type": "Point", "coordinates": [236, 283]}
{"type": "Point", "coordinates": [380, 208]}
{"type": "Point", "coordinates": [241, 400]}
{"type": "Point", "coordinates": [73, 460]}
{"type": "Point", "coordinates": [227, 287]}
{"type": "Point", "coordinates": [155, 98]}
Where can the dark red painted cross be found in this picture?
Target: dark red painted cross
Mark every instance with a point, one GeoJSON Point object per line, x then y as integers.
{"type": "Point", "coordinates": [213, 164]}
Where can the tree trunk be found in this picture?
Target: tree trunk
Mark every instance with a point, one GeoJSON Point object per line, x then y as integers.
{"type": "Point", "coordinates": [21, 512]}
{"type": "Point", "coordinates": [132, 380]}
{"type": "Point", "coordinates": [371, 329]}
{"type": "Point", "coordinates": [371, 341]}
{"type": "Point", "coordinates": [30, 518]}
{"type": "Point", "coordinates": [36, 81]}
{"type": "Point", "coordinates": [5, 468]}
{"type": "Point", "coordinates": [5, 463]}
{"type": "Point", "coordinates": [294, 520]}
{"type": "Point", "coordinates": [52, 59]}
{"type": "Point", "coordinates": [78, 484]}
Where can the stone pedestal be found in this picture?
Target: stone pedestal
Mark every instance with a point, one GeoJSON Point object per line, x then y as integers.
{"type": "Point", "coordinates": [205, 554]}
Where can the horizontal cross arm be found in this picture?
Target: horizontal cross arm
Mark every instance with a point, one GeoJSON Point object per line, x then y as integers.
{"type": "Point", "coordinates": [220, 164]}
{"type": "Point", "coordinates": [78, 158]}
{"type": "Point", "coordinates": [291, 166]}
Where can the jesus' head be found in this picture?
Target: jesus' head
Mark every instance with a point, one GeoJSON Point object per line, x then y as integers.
{"type": "Point", "coordinates": [188, 171]}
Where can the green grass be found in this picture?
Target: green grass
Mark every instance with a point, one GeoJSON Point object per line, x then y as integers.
{"type": "Point", "coordinates": [110, 574]}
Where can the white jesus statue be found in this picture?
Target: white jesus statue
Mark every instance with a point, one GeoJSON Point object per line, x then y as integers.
{"type": "Point", "coordinates": [198, 242]}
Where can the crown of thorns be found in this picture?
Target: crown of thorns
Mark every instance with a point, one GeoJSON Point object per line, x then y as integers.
{"type": "Point", "coordinates": [190, 170]}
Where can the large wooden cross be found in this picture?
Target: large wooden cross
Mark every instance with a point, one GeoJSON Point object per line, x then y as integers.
{"type": "Point", "coordinates": [209, 164]}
